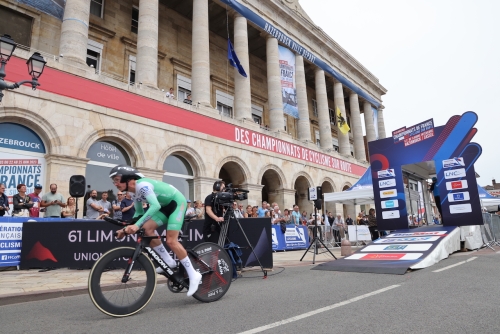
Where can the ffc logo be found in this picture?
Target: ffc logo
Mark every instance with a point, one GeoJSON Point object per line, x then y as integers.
{"type": "Point", "coordinates": [455, 162]}
{"type": "Point", "coordinates": [386, 173]}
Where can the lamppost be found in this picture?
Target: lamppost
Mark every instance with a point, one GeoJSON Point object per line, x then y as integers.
{"type": "Point", "coordinates": [36, 63]}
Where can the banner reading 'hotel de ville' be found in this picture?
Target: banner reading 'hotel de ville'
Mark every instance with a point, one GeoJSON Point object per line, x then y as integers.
{"type": "Point", "coordinates": [288, 87]}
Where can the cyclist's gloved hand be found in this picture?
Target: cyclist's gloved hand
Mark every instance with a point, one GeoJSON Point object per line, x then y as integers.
{"type": "Point", "coordinates": [131, 229]}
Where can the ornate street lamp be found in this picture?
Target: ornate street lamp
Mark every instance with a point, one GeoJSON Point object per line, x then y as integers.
{"type": "Point", "coordinates": [36, 64]}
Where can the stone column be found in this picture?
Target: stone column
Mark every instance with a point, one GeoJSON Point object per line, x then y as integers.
{"type": "Point", "coordinates": [274, 85]}
{"type": "Point", "coordinates": [369, 126]}
{"type": "Point", "coordinates": [325, 129]}
{"type": "Point", "coordinates": [154, 174]}
{"type": "Point", "coordinates": [357, 130]}
{"type": "Point", "coordinates": [200, 68]}
{"type": "Point", "coordinates": [75, 30]}
{"type": "Point", "coordinates": [338, 98]}
{"type": "Point", "coordinates": [242, 90]}
{"type": "Point", "coordinates": [300, 81]}
{"type": "Point", "coordinates": [255, 194]}
{"type": "Point", "coordinates": [381, 124]}
{"type": "Point", "coordinates": [203, 186]}
{"type": "Point", "coordinates": [285, 198]}
{"type": "Point", "coordinates": [60, 168]}
{"type": "Point", "coordinates": [147, 44]}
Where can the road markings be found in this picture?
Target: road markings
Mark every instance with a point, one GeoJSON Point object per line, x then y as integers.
{"type": "Point", "coordinates": [454, 265]}
{"type": "Point", "coordinates": [318, 311]}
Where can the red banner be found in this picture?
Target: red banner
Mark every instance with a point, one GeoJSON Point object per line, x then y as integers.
{"type": "Point", "coordinates": [82, 89]}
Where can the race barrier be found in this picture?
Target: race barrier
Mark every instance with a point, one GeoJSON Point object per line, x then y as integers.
{"type": "Point", "coordinates": [295, 237]}
{"type": "Point", "coordinates": [78, 243]}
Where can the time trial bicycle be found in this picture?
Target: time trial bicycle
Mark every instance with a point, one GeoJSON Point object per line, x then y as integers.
{"type": "Point", "coordinates": [123, 280]}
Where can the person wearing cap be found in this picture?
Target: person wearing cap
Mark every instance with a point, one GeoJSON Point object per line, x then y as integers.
{"type": "Point", "coordinates": [190, 210]}
{"type": "Point", "coordinates": [36, 199]}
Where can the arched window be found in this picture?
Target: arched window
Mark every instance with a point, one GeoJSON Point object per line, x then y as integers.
{"type": "Point", "coordinates": [179, 174]}
{"type": "Point", "coordinates": [103, 156]}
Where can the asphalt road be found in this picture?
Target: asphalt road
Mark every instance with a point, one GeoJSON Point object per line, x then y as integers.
{"type": "Point", "coordinates": [462, 299]}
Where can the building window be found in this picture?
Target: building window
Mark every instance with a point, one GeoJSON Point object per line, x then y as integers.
{"type": "Point", "coordinates": [178, 172]}
{"type": "Point", "coordinates": [225, 103]}
{"type": "Point", "coordinates": [335, 148]}
{"type": "Point", "coordinates": [17, 25]}
{"type": "Point", "coordinates": [93, 59]}
{"type": "Point", "coordinates": [315, 108]}
{"type": "Point", "coordinates": [183, 87]}
{"type": "Point", "coordinates": [316, 134]}
{"type": "Point", "coordinates": [225, 110]}
{"type": "Point", "coordinates": [131, 73]}
{"type": "Point", "coordinates": [94, 55]}
{"type": "Point", "coordinates": [96, 7]}
{"type": "Point", "coordinates": [285, 123]}
{"type": "Point", "coordinates": [103, 155]}
{"type": "Point", "coordinates": [135, 20]}
{"type": "Point", "coordinates": [332, 116]}
{"type": "Point", "coordinates": [257, 114]}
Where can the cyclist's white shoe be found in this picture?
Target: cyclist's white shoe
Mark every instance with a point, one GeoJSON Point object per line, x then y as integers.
{"type": "Point", "coordinates": [194, 282]}
{"type": "Point", "coordinates": [159, 270]}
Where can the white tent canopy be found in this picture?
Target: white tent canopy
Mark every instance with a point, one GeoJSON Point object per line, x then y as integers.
{"type": "Point", "coordinates": [354, 197]}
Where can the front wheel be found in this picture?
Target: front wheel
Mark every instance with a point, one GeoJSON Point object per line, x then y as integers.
{"type": "Point", "coordinates": [106, 289]}
{"type": "Point", "coordinates": [213, 262]}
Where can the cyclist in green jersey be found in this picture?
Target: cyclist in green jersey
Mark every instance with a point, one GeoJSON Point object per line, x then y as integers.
{"type": "Point", "coordinates": [167, 206]}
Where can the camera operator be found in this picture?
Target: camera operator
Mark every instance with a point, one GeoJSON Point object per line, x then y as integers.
{"type": "Point", "coordinates": [214, 214]}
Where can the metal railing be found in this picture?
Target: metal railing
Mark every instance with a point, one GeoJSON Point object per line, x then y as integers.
{"type": "Point", "coordinates": [490, 231]}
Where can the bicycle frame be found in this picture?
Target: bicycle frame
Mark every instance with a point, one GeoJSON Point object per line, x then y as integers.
{"type": "Point", "coordinates": [143, 245]}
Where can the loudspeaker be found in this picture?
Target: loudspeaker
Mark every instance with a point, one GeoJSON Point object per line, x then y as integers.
{"type": "Point", "coordinates": [317, 204]}
{"type": "Point", "coordinates": [77, 186]}
{"type": "Point", "coordinates": [319, 191]}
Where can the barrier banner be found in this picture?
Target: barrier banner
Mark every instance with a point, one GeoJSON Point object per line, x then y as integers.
{"type": "Point", "coordinates": [359, 233]}
{"type": "Point", "coordinates": [295, 237]}
{"type": "Point", "coordinates": [10, 243]}
{"type": "Point", "coordinates": [79, 243]}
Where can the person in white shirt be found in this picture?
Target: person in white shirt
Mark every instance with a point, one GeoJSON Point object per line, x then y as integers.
{"type": "Point", "coordinates": [190, 210]}
{"type": "Point", "coordinates": [338, 228]}
{"type": "Point", "coordinates": [237, 213]}
{"type": "Point", "coordinates": [170, 93]}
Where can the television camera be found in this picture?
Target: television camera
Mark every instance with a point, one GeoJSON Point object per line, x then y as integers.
{"type": "Point", "coordinates": [230, 194]}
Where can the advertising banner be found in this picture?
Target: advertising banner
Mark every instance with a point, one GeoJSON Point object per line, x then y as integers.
{"type": "Point", "coordinates": [16, 169]}
{"type": "Point", "coordinates": [295, 237]}
{"type": "Point", "coordinates": [79, 243]}
{"type": "Point", "coordinates": [10, 243]}
{"type": "Point", "coordinates": [454, 155]}
{"type": "Point", "coordinates": [288, 87]}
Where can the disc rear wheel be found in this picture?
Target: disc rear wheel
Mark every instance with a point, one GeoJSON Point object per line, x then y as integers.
{"type": "Point", "coordinates": [215, 282]}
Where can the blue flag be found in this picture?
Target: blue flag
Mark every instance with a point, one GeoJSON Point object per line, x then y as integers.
{"type": "Point", "coordinates": [233, 59]}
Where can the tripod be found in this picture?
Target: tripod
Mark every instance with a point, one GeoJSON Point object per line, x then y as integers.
{"type": "Point", "coordinates": [228, 215]}
{"type": "Point", "coordinates": [316, 240]}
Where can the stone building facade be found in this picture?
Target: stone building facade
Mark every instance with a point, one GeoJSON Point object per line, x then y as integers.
{"type": "Point", "coordinates": [109, 64]}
